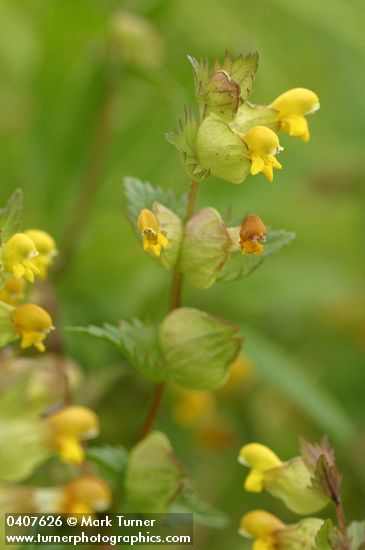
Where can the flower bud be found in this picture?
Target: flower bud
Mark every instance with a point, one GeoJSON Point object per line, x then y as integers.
{"type": "Point", "coordinates": [32, 323]}
{"type": "Point", "coordinates": [291, 106]}
{"type": "Point", "coordinates": [289, 481]}
{"type": "Point", "coordinates": [17, 257]}
{"type": "Point", "coordinates": [153, 239]}
{"type": "Point", "coordinates": [70, 426]}
{"type": "Point", "coordinates": [252, 235]}
{"type": "Point", "coordinates": [270, 533]}
{"type": "Point", "coordinates": [263, 144]}
{"type": "Point", "coordinates": [46, 248]}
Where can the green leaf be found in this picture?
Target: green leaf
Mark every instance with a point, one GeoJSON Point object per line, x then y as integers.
{"type": "Point", "coordinates": [240, 266]}
{"type": "Point", "coordinates": [184, 140]}
{"type": "Point", "coordinates": [10, 216]}
{"type": "Point", "coordinates": [204, 514]}
{"type": "Point", "coordinates": [241, 69]}
{"type": "Point", "coordinates": [274, 366]}
{"type": "Point", "coordinates": [205, 248]}
{"type": "Point", "coordinates": [109, 461]}
{"type": "Point", "coordinates": [198, 348]}
{"type": "Point", "coordinates": [356, 533]}
{"type": "Point", "coordinates": [138, 342]}
{"type": "Point", "coordinates": [141, 194]}
{"type": "Point", "coordinates": [154, 477]}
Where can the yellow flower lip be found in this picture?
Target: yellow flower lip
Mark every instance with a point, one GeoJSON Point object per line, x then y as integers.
{"type": "Point", "coordinates": [153, 239]}
{"type": "Point", "coordinates": [32, 323]}
{"type": "Point", "coordinates": [262, 145]}
{"type": "Point", "coordinates": [259, 456]}
{"type": "Point", "coordinates": [296, 102]}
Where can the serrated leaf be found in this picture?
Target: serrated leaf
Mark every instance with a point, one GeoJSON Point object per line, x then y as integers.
{"type": "Point", "coordinates": [205, 248]}
{"type": "Point", "coordinates": [198, 348]}
{"type": "Point", "coordinates": [240, 266]}
{"type": "Point", "coordinates": [10, 216]}
{"type": "Point", "coordinates": [242, 69]}
{"type": "Point", "coordinates": [184, 140]}
{"type": "Point", "coordinates": [154, 477]}
{"type": "Point", "coordinates": [141, 194]}
{"type": "Point", "coordinates": [356, 534]}
{"type": "Point", "coordinates": [138, 342]}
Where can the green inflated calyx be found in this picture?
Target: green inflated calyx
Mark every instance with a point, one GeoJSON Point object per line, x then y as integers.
{"type": "Point", "coordinates": [154, 476]}
{"type": "Point", "coordinates": [205, 248]}
{"type": "Point", "coordinates": [198, 348]}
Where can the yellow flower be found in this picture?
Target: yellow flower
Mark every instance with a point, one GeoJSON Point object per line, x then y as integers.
{"type": "Point", "coordinates": [46, 248]}
{"type": "Point", "coordinates": [12, 291]}
{"type": "Point", "coordinates": [261, 459]}
{"type": "Point", "coordinates": [32, 323]}
{"type": "Point", "coordinates": [291, 107]}
{"type": "Point", "coordinates": [193, 406]}
{"type": "Point", "coordinates": [153, 239]}
{"type": "Point", "coordinates": [70, 426]}
{"type": "Point", "coordinates": [18, 257]}
{"type": "Point", "coordinates": [263, 144]}
{"type": "Point", "coordinates": [263, 527]}
{"type": "Point", "coordinates": [252, 235]}
{"type": "Point", "coordinates": [85, 495]}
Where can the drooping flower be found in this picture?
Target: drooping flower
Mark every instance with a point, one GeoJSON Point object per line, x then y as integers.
{"type": "Point", "coordinates": [18, 257]}
{"type": "Point", "coordinates": [263, 144]}
{"type": "Point", "coordinates": [290, 481]}
{"type": "Point", "coordinates": [46, 247]}
{"type": "Point", "coordinates": [12, 291]}
{"type": "Point", "coordinates": [71, 426]}
{"type": "Point", "coordinates": [153, 239]}
{"type": "Point", "coordinates": [270, 533]}
{"type": "Point", "coordinates": [32, 323]}
{"type": "Point", "coordinates": [85, 495]}
{"type": "Point", "coordinates": [291, 107]}
{"type": "Point", "coordinates": [252, 235]}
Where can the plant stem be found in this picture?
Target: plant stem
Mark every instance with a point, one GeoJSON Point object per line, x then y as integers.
{"type": "Point", "coordinates": [175, 301]}
{"type": "Point", "coordinates": [340, 515]}
{"type": "Point", "coordinates": [91, 180]}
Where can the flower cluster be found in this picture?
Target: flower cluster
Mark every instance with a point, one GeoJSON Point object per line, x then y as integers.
{"type": "Point", "coordinates": [24, 257]}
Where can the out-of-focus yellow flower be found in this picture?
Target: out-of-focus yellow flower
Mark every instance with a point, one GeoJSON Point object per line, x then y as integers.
{"type": "Point", "coordinates": [240, 373]}
{"type": "Point", "coordinates": [193, 406]}
{"type": "Point", "coordinates": [270, 533]}
{"type": "Point", "coordinates": [85, 495]}
{"type": "Point", "coordinates": [32, 323]}
{"type": "Point", "coordinates": [263, 144]}
{"type": "Point", "coordinates": [18, 257]}
{"type": "Point", "coordinates": [70, 426]}
{"type": "Point", "coordinates": [12, 291]}
{"type": "Point", "coordinates": [291, 107]}
{"type": "Point", "coordinates": [262, 526]}
{"type": "Point", "coordinates": [46, 247]}
{"type": "Point", "coordinates": [149, 228]}
{"type": "Point", "coordinates": [252, 235]}
{"type": "Point", "coordinates": [261, 459]}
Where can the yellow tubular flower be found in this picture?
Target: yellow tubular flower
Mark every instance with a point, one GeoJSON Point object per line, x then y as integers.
{"type": "Point", "coordinates": [149, 228]}
{"type": "Point", "coordinates": [263, 144]}
{"type": "Point", "coordinates": [262, 526]}
{"type": "Point", "coordinates": [18, 257]}
{"type": "Point", "coordinates": [32, 323]}
{"type": "Point", "coordinates": [12, 291]}
{"type": "Point", "coordinates": [46, 247]}
{"type": "Point", "coordinates": [252, 235]}
{"type": "Point", "coordinates": [85, 495]}
{"type": "Point", "coordinates": [70, 426]}
{"type": "Point", "coordinates": [261, 459]}
{"type": "Point", "coordinates": [291, 107]}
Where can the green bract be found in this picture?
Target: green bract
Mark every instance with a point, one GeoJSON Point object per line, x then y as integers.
{"type": "Point", "coordinates": [171, 226]}
{"type": "Point", "coordinates": [154, 476]}
{"type": "Point", "coordinates": [205, 248]}
{"type": "Point", "coordinates": [198, 348]}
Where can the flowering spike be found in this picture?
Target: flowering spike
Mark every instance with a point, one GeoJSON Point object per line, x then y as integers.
{"type": "Point", "coordinates": [291, 106]}
{"type": "Point", "coordinates": [18, 255]}
{"type": "Point", "coordinates": [263, 144]}
{"type": "Point", "coordinates": [153, 239]}
{"type": "Point", "coordinates": [32, 323]}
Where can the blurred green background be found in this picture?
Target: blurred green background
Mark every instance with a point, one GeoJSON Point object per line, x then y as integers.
{"type": "Point", "coordinates": [307, 302]}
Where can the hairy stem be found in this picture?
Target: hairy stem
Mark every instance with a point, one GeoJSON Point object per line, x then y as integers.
{"type": "Point", "coordinates": [175, 301]}
{"type": "Point", "coordinates": [91, 180]}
